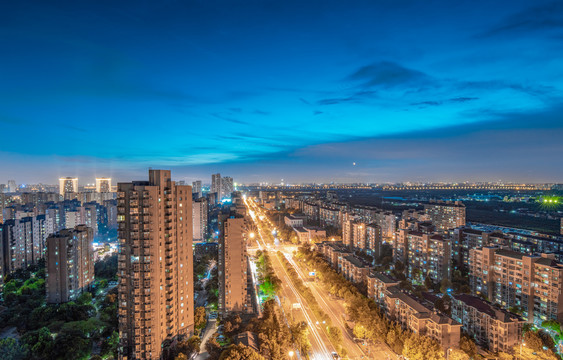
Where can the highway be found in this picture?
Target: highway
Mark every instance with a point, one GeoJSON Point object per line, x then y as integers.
{"type": "Point", "coordinates": [334, 308]}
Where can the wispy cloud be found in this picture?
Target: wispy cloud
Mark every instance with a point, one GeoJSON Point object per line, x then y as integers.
{"type": "Point", "coordinates": [543, 17]}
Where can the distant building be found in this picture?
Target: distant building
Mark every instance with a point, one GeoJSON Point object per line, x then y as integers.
{"type": "Point", "coordinates": [199, 211]}
{"type": "Point", "coordinates": [424, 252]}
{"type": "Point", "coordinates": [227, 187]}
{"type": "Point", "coordinates": [12, 187]}
{"type": "Point", "coordinates": [196, 189]}
{"type": "Point", "coordinates": [446, 215]}
{"type": "Point", "coordinates": [293, 221]}
{"type": "Point", "coordinates": [23, 242]}
{"type": "Point", "coordinates": [216, 186]}
{"type": "Point", "coordinates": [70, 264]}
{"type": "Point", "coordinates": [103, 185]}
{"type": "Point", "coordinates": [67, 186]}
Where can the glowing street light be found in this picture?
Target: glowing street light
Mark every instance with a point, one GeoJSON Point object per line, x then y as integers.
{"type": "Point", "coordinates": [252, 235]}
{"type": "Point", "coordinates": [291, 353]}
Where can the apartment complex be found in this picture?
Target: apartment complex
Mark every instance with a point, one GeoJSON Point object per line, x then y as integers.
{"type": "Point", "coordinates": [490, 326]}
{"type": "Point", "coordinates": [446, 215]}
{"type": "Point", "coordinates": [424, 252]}
{"type": "Point", "coordinates": [155, 266]}
{"type": "Point", "coordinates": [378, 283]}
{"type": "Point", "coordinates": [529, 282]}
{"type": "Point", "coordinates": [234, 296]}
{"type": "Point", "coordinates": [69, 264]}
{"type": "Point", "coordinates": [421, 318]}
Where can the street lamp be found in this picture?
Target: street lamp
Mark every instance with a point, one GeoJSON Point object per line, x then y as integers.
{"type": "Point", "coordinates": [448, 353]}
{"type": "Point", "coordinates": [522, 344]}
{"type": "Point", "coordinates": [291, 354]}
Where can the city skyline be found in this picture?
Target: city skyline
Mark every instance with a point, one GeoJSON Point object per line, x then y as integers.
{"type": "Point", "coordinates": [305, 92]}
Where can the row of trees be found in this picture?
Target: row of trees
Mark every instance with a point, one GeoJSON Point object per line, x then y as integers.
{"type": "Point", "coordinates": [370, 322]}
{"type": "Point", "coordinates": [333, 332]}
{"type": "Point", "coordinates": [269, 282]}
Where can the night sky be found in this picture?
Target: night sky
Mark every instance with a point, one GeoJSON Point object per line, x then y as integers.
{"type": "Point", "coordinates": [295, 90]}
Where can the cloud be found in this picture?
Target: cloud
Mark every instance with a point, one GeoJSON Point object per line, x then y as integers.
{"type": "Point", "coordinates": [354, 97]}
{"type": "Point", "coordinates": [229, 119]}
{"type": "Point", "coordinates": [544, 17]}
{"type": "Point", "coordinates": [423, 104]}
{"type": "Point", "coordinates": [387, 74]}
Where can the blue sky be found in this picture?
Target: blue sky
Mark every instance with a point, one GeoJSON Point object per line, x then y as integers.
{"type": "Point", "coordinates": [299, 90]}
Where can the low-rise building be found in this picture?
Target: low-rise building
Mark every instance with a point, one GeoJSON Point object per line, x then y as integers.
{"type": "Point", "coordinates": [421, 319]}
{"type": "Point", "coordinates": [378, 283]}
{"type": "Point", "coordinates": [354, 269]}
{"type": "Point", "coordinates": [293, 221]}
{"type": "Point", "coordinates": [488, 325]}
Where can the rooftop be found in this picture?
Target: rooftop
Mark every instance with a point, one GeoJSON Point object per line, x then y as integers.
{"type": "Point", "coordinates": [487, 308]}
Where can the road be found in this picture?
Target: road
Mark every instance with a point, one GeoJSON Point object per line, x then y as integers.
{"type": "Point", "coordinates": [334, 308]}
{"type": "Point", "coordinates": [321, 347]}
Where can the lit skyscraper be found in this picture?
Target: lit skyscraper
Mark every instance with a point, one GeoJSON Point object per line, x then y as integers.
{"type": "Point", "coordinates": [68, 185]}
{"type": "Point", "coordinates": [103, 185]}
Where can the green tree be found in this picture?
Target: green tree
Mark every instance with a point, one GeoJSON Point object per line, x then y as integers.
{"type": "Point", "coordinates": [11, 349]}
{"type": "Point", "coordinates": [240, 352]}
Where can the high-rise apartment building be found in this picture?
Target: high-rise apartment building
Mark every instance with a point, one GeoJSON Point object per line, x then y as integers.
{"type": "Point", "coordinates": [530, 283]}
{"type": "Point", "coordinates": [155, 264]}
{"type": "Point", "coordinates": [199, 211]}
{"type": "Point", "coordinates": [233, 266]}
{"type": "Point", "coordinates": [69, 264]}
{"type": "Point", "coordinates": [227, 186]}
{"type": "Point", "coordinates": [23, 242]}
{"type": "Point", "coordinates": [424, 252]}
{"type": "Point", "coordinates": [103, 185]}
{"type": "Point", "coordinates": [216, 186]}
{"type": "Point", "coordinates": [446, 215]}
{"type": "Point", "coordinates": [68, 185]}
{"type": "Point", "coordinates": [12, 187]}
{"type": "Point", "coordinates": [196, 189]}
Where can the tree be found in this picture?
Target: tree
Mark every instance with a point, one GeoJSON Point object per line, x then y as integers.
{"type": "Point", "coordinates": [240, 352]}
{"type": "Point", "coordinates": [213, 348]}
{"type": "Point", "coordinates": [360, 331]}
{"type": "Point", "coordinates": [189, 346]}
{"type": "Point", "coordinates": [456, 354]}
{"type": "Point", "coordinates": [199, 317]}
{"type": "Point", "coordinates": [300, 333]}
{"type": "Point", "coordinates": [467, 345]}
{"type": "Point", "coordinates": [11, 349]}
{"type": "Point", "coordinates": [552, 325]}
{"type": "Point", "coordinates": [445, 284]}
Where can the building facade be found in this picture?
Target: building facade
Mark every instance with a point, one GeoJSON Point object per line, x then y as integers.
{"type": "Point", "coordinates": [69, 264]}
{"type": "Point", "coordinates": [155, 264]}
